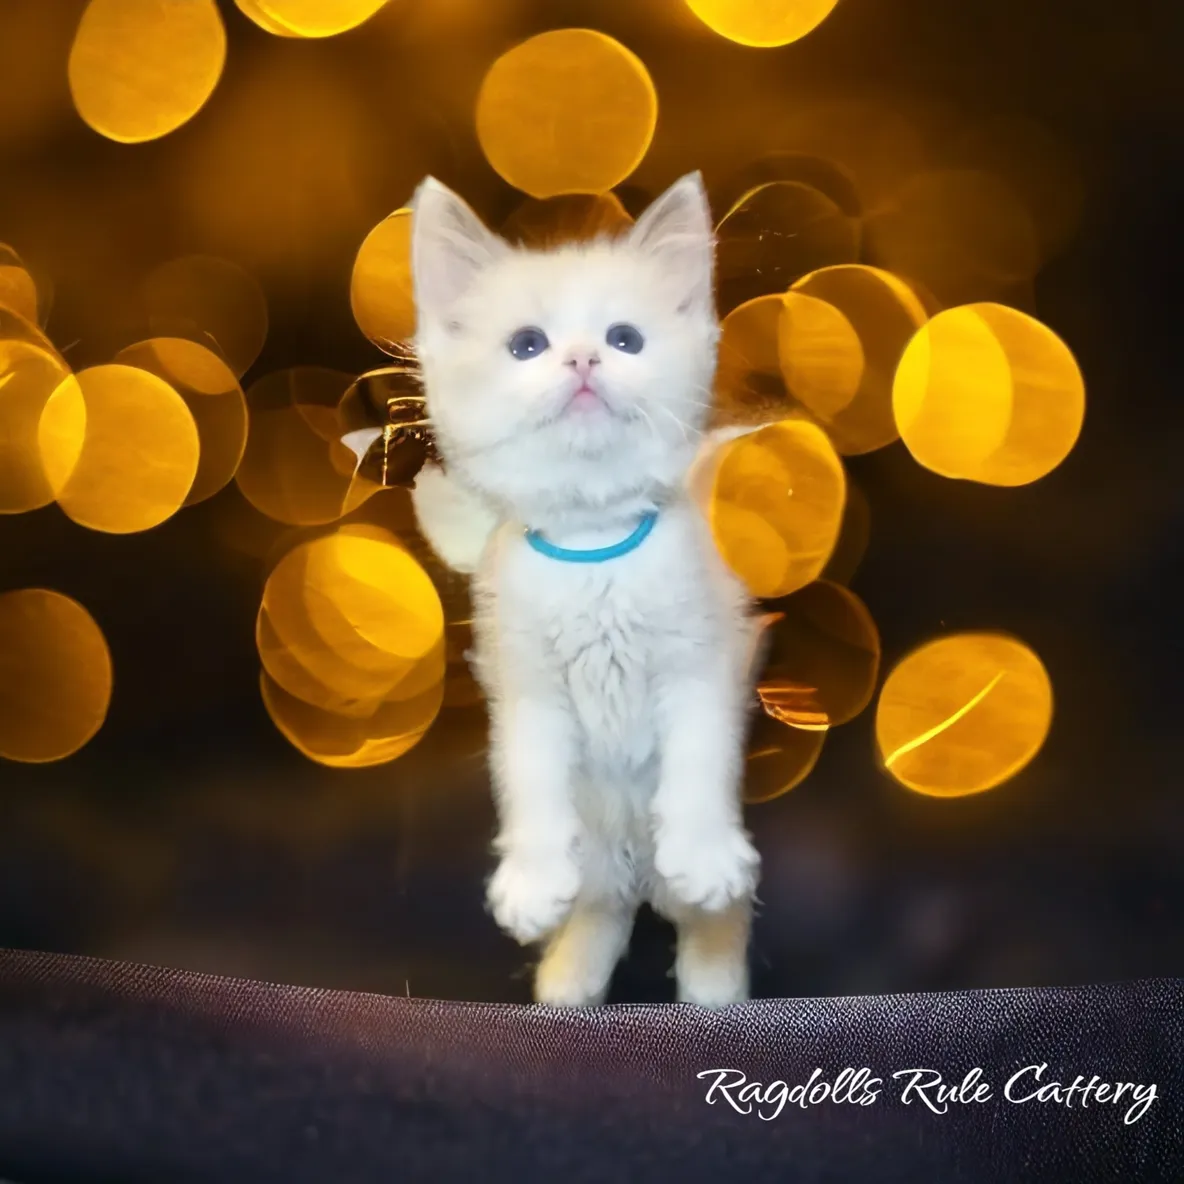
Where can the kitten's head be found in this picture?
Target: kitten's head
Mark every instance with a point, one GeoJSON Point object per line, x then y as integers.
{"type": "Point", "coordinates": [572, 380]}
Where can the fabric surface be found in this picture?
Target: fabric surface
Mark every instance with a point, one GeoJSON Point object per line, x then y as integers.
{"type": "Point", "coordinates": [118, 1072]}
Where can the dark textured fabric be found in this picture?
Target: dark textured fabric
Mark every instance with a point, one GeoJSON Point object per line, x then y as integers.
{"type": "Point", "coordinates": [117, 1072]}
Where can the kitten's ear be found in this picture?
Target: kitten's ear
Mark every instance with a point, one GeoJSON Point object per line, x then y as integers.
{"type": "Point", "coordinates": [449, 247]}
{"type": "Point", "coordinates": [677, 229]}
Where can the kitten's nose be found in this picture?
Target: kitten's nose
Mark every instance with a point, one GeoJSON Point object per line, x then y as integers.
{"type": "Point", "coordinates": [582, 361]}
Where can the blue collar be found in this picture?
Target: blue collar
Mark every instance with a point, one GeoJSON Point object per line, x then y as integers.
{"type": "Point", "coordinates": [598, 554]}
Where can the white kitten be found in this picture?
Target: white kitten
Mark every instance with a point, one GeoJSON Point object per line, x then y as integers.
{"type": "Point", "coordinates": [568, 390]}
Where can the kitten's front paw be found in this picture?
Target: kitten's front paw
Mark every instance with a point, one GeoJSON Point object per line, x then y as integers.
{"type": "Point", "coordinates": [707, 871]}
{"type": "Point", "coordinates": [532, 892]}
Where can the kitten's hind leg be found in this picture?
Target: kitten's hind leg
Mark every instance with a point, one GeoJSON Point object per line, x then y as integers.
{"type": "Point", "coordinates": [711, 967]}
{"type": "Point", "coordinates": [579, 959]}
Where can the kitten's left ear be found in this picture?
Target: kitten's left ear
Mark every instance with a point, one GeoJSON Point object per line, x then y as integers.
{"type": "Point", "coordinates": [449, 246]}
{"type": "Point", "coordinates": [677, 229]}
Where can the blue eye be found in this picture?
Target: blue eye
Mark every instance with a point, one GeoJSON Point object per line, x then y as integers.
{"type": "Point", "coordinates": [626, 338]}
{"type": "Point", "coordinates": [528, 343]}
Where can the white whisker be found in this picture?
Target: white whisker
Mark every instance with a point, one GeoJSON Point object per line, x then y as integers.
{"type": "Point", "coordinates": [682, 426]}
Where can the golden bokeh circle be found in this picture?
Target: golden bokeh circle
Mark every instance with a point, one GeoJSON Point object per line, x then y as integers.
{"type": "Point", "coordinates": [380, 290]}
{"type": "Point", "coordinates": [55, 676]}
{"type": "Point", "coordinates": [819, 359]}
{"type": "Point", "coordinates": [570, 218]}
{"type": "Point", "coordinates": [309, 18]}
{"type": "Point", "coordinates": [211, 300]}
{"type": "Point", "coordinates": [30, 371]}
{"type": "Point", "coordinates": [986, 393]}
{"type": "Point", "coordinates": [854, 536]}
{"type": "Point", "coordinates": [821, 173]}
{"type": "Point", "coordinates": [961, 233]}
{"type": "Point", "coordinates": [820, 354]}
{"type": "Point", "coordinates": [762, 24]}
{"type": "Point", "coordinates": [139, 69]}
{"type": "Point", "coordinates": [18, 289]}
{"type": "Point", "coordinates": [749, 384]}
{"type": "Point", "coordinates": [365, 593]}
{"type": "Point", "coordinates": [348, 619]}
{"type": "Point", "coordinates": [119, 447]}
{"type": "Point", "coordinates": [776, 505]}
{"type": "Point", "coordinates": [351, 634]}
{"type": "Point", "coordinates": [568, 111]}
{"type": "Point", "coordinates": [822, 660]}
{"type": "Point", "coordinates": [294, 468]}
{"type": "Point", "coordinates": [214, 398]}
{"type": "Point", "coordinates": [345, 742]}
{"type": "Point", "coordinates": [963, 714]}
{"type": "Point", "coordinates": [253, 10]}
{"type": "Point", "coordinates": [778, 758]}
{"type": "Point", "coordinates": [774, 234]}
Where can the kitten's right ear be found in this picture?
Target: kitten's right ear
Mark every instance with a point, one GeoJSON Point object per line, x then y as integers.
{"type": "Point", "coordinates": [449, 246]}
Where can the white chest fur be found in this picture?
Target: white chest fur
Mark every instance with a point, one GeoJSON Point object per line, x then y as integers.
{"type": "Point", "coordinates": [604, 638]}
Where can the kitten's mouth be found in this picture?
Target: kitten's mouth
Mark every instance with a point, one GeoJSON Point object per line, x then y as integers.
{"type": "Point", "coordinates": [585, 398]}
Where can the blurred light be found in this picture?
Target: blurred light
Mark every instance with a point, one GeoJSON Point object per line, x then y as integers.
{"type": "Point", "coordinates": [823, 658]}
{"type": "Point", "coordinates": [963, 714]}
{"type": "Point", "coordinates": [962, 233]}
{"type": "Point", "coordinates": [312, 630]}
{"type": "Point", "coordinates": [568, 111]}
{"type": "Point", "coordinates": [30, 371]}
{"type": "Point", "coordinates": [749, 387]}
{"type": "Point", "coordinates": [139, 69]}
{"type": "Point", "coordinates": [283, 170]}
{"type": "Point", "coordinates": [14, 327]}
{"type": "Point", "coordinates": [214, 398]}
{"type": "Point", "coordinates": [344, 742]}
{"type": "Point", "coordinates": [822, 173]}
{"type": "Point", "coordinates": [988, 394]}
{"type": "Point", "coordinates": [294, 468]}
{"type": "Point", "coordinates": [570, 218]}
{"type": "Point", "coordinates": [380, 291]}
{"type": "Point", "coordinates": [212, 301]}
{"type": "Point", "coordinates": [776, 506]}
{"type": "Point", "coordinates": [775, 234]}
{"type": "Point", "coordinates": [1036, 166]}
{"type": "Point", "coordinates": [254, 11]}
{"type": "Point", "coordinates": [119, 447]}
{"type": "Point", "coordinates": [854, 536]}
{"type": "Point", "coordinates": [818, 352]}
{"type": "Point", "coordinates": [309, 18]}
{"type": "Point", "coordinates": [364, 588]}
{"type": "Point", "coordinates": [289, 672]}
{"type": "Point", "coordinates": [778, 758]}
{"type": "Point", "coordinates": [351, 636]}
{"type": "Point", "coordinates": [18, 291]}
{"type": "Point", "coordinates": [856, 149]}
{"type": "Point", "coordinates": [55, 676]}
{"type": "Point", "coordinates": [762, 23]}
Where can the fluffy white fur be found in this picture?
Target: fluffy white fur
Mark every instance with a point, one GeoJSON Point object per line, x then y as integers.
{"type": "Point", "coordinates": [618, 691]}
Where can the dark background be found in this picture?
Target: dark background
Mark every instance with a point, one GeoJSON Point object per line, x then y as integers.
{"type": "Point", "coordinates": [189, 833]}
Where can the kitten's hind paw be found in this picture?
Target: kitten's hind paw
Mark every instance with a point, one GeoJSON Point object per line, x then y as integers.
{"type": "Point", "coordinates": [707, 871]}
{"type": "Point", "coordinates": [714, 988]}
{"type": "Point", "coordinates": [531, 893]}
